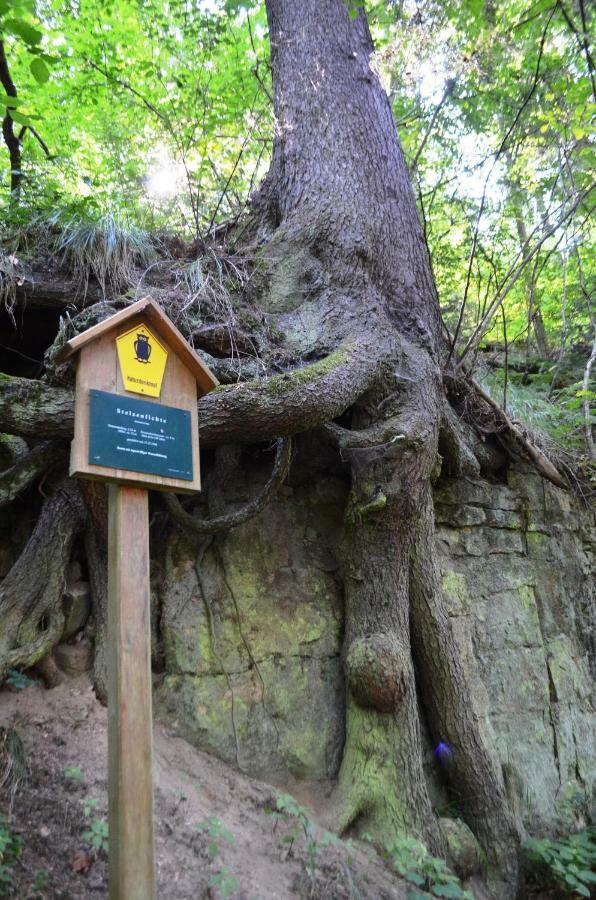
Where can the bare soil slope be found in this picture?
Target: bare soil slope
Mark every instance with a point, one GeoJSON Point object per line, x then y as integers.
{"type": "Point", "coordinates": [65, 740]}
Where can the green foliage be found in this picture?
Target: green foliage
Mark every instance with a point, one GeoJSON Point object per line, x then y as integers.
{"type": "Point", "coordinates": [423, 870]}
{"type": "Point", "coordinates": [557, 413]}
{"type": "Point", "coordinates": [568, 864]}
{"type": "Point", "coordinates": [19, 681]}
{"type": "Point", "coordinates": [42, 880]}
{"type": "Point", "coordinates": [315, 840]}
{"type": "Point", "coordinates": [73, 773]}
{"type": "Point", "coordinates": [97, 833]}
{"type": "Point", "coordinates": [225, 883]}
{"type": "Point", "coordinates": [215, 831]}
{"type": "Point", "coordinates": [11, 848]}
{"type": "Point", "coordinates": [104, 248]}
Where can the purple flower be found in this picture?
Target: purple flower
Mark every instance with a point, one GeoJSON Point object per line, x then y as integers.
{"type": "Point", "coordinates": [443, 751]}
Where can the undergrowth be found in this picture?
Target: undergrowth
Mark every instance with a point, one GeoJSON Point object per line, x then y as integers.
{"type": "Point", "coordinates": [315, 841]}
{"type": "Point", "coordinates": [424, 871]}
{"type": "Point", "coordinates": [568, 864]}
{"type": "Point", "coordinates": [11, 847]}
{"type": "Point", "coordinates": [222, 880]}
{"type": "Point", "coordinates": [557, 413]}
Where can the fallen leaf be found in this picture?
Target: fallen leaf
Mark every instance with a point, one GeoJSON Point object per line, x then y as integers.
{"type": "Point", "coordinates": [81, 862]}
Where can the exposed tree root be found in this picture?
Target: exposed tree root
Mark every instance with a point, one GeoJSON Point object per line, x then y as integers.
{"type": "Point", "coordinates": [31, 594]}
{"type": "Point", "coordinates": [27, 469]}
{"type": "Point", "coordinates": [252, 508]}
{"type": "Point", "coordinates": [471, 769]}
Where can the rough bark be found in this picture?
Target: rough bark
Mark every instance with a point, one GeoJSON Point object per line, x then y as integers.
{"type": "Point", "coordinates": [343, 229]}
{"type": "Point", "coordinates": [27, 469]}
{"type": "Point", "coordinates": [12, 140]}
{"type": "Point", "coordinates": [474, 769]}
{"type": "Point", "coordinates": [247, 412]}
{"type": "Point", "coordinates": [31, 594]}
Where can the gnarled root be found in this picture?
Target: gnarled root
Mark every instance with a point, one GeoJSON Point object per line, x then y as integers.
{"type": "Point", "coordinates": [31, 594]}
{"type": "Point", "coordinates": [472, 769]}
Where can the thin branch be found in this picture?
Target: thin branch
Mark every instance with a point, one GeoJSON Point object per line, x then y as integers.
{"type": "Point", "coordinates": [128, 87]}
{"type": "Point", "coordinates": [500, 150]}
{"type": "Point", "coordinates": [38, 138]}
{"type": "Point", "coordinates": [540, 460]}
{"type": "Point", "coordinates": [255, 69]}
{"type": "Point", "coordinates": [582, 39]}
{"type": "Point", "coordinates": [513, 277]}
{"type": "Point", "coordinates": [449, 88]}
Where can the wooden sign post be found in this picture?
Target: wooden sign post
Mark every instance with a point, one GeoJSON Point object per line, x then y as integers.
{"type": "Point", "coordinates": [134, 444]}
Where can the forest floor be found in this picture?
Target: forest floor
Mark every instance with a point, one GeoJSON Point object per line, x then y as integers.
{"type": "Point", "coordinates": [250, 854]}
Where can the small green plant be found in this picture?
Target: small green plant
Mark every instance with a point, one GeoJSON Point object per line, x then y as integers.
{"type": "Point", "coordinates": [97, 833]}
{"type": "Point", "coordinates": [89, 804]}
{"type": "Point", "coordinates": [215, 830]}
{"type": "Point", "coordinates": [18, 680]}
{"type": "Point", "coordinates": [73, 773]}
{"type": "Point", "coordinates": [225, 883]}
{"type": "Point", "coordinates": [42, 880]}
{"type": "Point", "coordinates": [314, 842]}
{"type": "Point", "coordinates": [423, 870]}
{"type": "Point", "coordinates": [11, 847]}
{"type": "Point", "coordinates": [567, 864]}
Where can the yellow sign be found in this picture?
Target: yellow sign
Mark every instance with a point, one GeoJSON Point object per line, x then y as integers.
{"type": "Point", "coordinates": [142, 361]}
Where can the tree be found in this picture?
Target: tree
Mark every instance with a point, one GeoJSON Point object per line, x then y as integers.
{"type": "Point", "coordinates": [345, 282]}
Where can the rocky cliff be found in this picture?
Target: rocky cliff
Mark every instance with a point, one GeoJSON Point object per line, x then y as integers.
{"type": "Point", "coordinates": [252, 626]}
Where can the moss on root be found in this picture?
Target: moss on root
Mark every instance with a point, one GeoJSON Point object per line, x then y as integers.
{"type": "Point", "coordinates": [369, 775]}
{"type": "Point", "coordinates": [281, 385]}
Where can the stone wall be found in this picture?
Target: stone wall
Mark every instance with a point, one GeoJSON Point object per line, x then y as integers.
{"type": "Point", "coordinates": [252, 629]}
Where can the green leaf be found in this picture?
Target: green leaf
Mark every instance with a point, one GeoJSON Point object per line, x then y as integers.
{"type": "Point", "coordinates": [24, 30]}
{"type": "Point", "coordinates": [447, 890]}
{"type": "Point", "coordinates": [19, 117]}
{"type": "Point", "coordinates": [39, 70]}
{"type": "Point", "coordinates": [5, 100]}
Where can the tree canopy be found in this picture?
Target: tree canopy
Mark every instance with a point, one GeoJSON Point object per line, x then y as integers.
{"type": "Point", "coordinates": [157, 117]}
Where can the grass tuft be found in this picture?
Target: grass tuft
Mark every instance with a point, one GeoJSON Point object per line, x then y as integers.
{"type": "Point", "coordinates": [104, 249]}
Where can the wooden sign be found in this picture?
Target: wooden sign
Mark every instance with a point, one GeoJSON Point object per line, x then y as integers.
{"type": "Point", "coordinates": [142, 361]}
{"type": "Point", "coordinates": [140, 351]}
{"type": "Point", "coordinates": [134, 444]}
{"type": "Point", "coordinates": [133, 434]}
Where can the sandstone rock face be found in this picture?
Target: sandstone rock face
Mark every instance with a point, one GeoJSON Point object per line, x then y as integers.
{"type": "Point", "coordinates": [252, 630]}
{"type": "Point", "coordinates": [517, 562]}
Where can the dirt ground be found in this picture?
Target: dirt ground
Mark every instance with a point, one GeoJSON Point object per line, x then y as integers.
{"type": "Point", "coordinates": [249, 855]}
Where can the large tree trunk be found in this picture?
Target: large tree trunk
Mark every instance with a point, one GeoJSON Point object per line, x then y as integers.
{"type": "Point", "coordinates": [346, 255]}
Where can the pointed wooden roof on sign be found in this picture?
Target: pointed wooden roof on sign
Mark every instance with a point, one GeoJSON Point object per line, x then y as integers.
{"type": "Point", "coordinates": [155, 316]}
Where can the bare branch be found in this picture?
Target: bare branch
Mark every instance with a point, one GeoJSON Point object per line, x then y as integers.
{"type": "Point", "coordinates": [513, 277]}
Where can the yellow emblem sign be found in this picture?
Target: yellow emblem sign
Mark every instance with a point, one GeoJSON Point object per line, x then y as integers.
{"type": "Point", "coordinates": [142, 361]}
